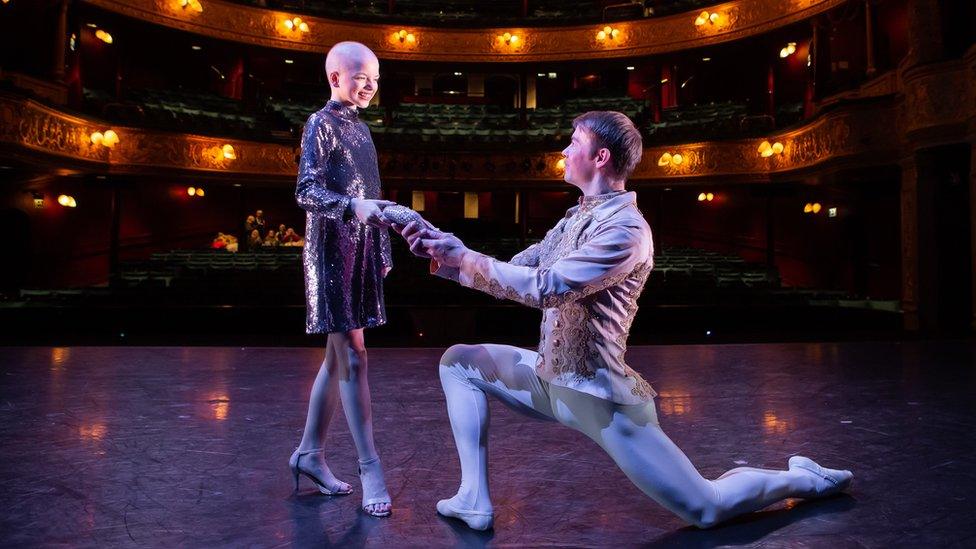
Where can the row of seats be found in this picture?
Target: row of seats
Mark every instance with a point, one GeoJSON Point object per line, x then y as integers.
{"type": "Point", "coordinates": [439, 123]}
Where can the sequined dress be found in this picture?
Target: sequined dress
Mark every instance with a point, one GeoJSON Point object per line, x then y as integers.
{"type": "Point", "coordinates": [343, 259]}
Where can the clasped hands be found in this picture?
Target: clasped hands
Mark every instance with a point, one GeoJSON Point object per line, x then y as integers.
{"type": "Point", "coordinates": [424, 241]}
{"type": "Point", "coordinates": [423, 238]}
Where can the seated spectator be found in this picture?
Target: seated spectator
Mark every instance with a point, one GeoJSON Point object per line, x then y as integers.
{"type": "Point", "coordinates": [290, 237]}
{"type": "Point", "coordinates": [281, 232]}
{"type": "Point", "coordinates": [250, 224]}
{"type": "Point", "coordinates": [271, 239]}
{"type": "Point", "coordinates": [260, 220]}
{"type": "Point", "coordinates": [254, 240]}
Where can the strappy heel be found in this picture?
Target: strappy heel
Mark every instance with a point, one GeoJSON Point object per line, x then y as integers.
{"type": "Point", "coordinates": [295, 464]}
{"type": "Point", "coordinates": [377, 487]}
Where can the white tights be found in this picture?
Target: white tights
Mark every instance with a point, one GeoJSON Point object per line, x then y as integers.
{"type": "Point", "coordinates": [629, 434]}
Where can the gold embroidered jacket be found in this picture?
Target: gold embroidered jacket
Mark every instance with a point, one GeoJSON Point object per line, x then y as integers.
{"type": "Point", "coordinates": [586, 276]}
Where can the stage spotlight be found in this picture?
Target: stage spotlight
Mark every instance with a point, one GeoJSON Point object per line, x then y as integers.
{"type": "Point", "coordinates": [816, 207]}
{"type": "Point", "coordinates": [701, 197]}
{"type": "Point", "coordinates": [67, 201]}
{"type": "Point", "coordinates": [103, 36]}
{"type": "Point", "coordinates": [789, 50]}
{"type": "Point", "coordinates": [200, 192]}
{"type": "Point", "coordinates": [192, 191]}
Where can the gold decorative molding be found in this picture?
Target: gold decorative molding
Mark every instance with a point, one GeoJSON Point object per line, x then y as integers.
{"type": "Point", "coordinates": [29, 125]}
{"type": "Point", "coordinates": [227, 21]}
{"type": "Point", "coordinates": [38, 128]}
{"type": "Point", "coordinates": [933, 98]}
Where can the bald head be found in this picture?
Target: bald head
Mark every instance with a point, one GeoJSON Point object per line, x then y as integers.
{"type": "Point", "coordinates": [353, 72]}
{"type": "Point", "coordinates": [348, 56]}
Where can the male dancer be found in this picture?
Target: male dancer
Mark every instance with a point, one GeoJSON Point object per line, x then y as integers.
{"type": "Point", "coordinates": [346, 256]}
{"type": "Point", "coordinates": [586, 276]}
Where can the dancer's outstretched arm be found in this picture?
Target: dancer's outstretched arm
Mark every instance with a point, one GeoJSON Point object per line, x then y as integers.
{"type": "Point", "coordinates": [613, 252]}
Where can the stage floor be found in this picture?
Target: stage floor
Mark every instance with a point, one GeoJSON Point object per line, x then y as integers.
{"type": "Point", "coordinates": [187, 446]}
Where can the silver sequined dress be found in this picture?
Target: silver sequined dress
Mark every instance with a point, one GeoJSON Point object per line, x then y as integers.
{"type": "Point", "coordinates": [343, 258]}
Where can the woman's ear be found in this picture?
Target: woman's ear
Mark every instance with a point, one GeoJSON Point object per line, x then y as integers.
{"type": "Point", "coordinates": [334, 79]}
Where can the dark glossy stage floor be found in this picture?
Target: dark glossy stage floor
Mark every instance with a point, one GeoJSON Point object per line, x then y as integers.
{"type": "Point", "coordinates": [187, 447]}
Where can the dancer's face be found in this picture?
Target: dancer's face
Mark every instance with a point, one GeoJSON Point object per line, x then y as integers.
{"type": "Point", "coordinates": [582, 160]}
{"type": "Point", "coordinates": [357, 81]}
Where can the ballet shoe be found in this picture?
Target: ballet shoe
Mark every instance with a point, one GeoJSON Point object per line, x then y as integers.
{"type": "Point", "coordinates": [374, 491]}
{"type": "Point", "coordinates": [296, 469]}
{"type": "Point", "coordinates": [476, 520]}
{"type": "Point", "coordinates": [829, 481]}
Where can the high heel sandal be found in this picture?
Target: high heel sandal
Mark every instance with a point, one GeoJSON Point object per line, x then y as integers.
{"type": "Point", "coordinates": [374, 487]}
{"type": "Point", "coordinates": [295, 464]}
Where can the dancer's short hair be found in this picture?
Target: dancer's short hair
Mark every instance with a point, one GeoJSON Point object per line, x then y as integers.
{"type": "Point", "coordinates": [615, 132]}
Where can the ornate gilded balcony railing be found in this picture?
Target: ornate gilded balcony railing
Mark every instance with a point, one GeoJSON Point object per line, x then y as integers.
{"type": "Point", "coordinates": [30, 129]}
{"type": "Point", "coordinates": [279, 29]}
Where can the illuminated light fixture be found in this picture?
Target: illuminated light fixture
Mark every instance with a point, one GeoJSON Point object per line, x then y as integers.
{"type": "Point", "coordinates": [706, 59]}
{"type": "Point", "coordinates": [103, 36]}
{"type": "Point", "coordinates": [767, 149]}
{"type": "Point", "coordinates": [706, 197]}
{"type": "Point", "coordinates": [831, 212]}
{"type": "Point", "coordinates": [509, 39]}
{"type": "Point", "coordinates": [67, 201]}
{"type": "Point", "coordinates": [607, 32]}
{"type": "Point", "coordinates": [540, 74]}
{"type": "Point", "coordinates": [561, 164]}
{"type": "Point", "coordinates": [552, 75]}
{"type": "Point", "coordinates": [229, 152]}
{"type": "Point", "coordinates": [194, 5]}
{"type": "Point", "coordinates": [200, 192]}
{"type": "Point", "coordinates": [458, 73]}
{"type": "Point", "coordinates": [812, 208]}
{"type": "Point", "coordinates": [108, 139]}
{"type": "Point", "coordinates": [404, 36]}
{"type": "Point", "coordinates": [91, 25]}
{"type": "Point", "coordinates": [789, 50]}
{"type": "Point", "coordinates": [289, 61]}
{"type": "Point", "coordinates": [668, 159]}
{"type": "Point", "coordinates": [706, 18]}
{"type": "Point", "coordinates": [192, 191]}
{"type": "Point", "coordinates": [6, 1]}
{"type": "Point", "coordinates": [630, 68]}
{"type": "Point", "coordinates": [196, 48]}
{"type": "Point", "coordinates": [296, 23]}
{"type": "Point", "coordinates": [664, 80]}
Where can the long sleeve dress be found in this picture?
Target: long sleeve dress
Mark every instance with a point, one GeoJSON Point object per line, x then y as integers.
{"type": "Point", "coordinates": [343, 259]}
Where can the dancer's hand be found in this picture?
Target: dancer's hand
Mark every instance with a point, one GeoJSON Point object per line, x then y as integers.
{"type": "Point", "coordinates": [444, 248]}
{"type": "Point", "coordinates": [370, 211]}
{"type": "Point", "coordinates": [413, 233]}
